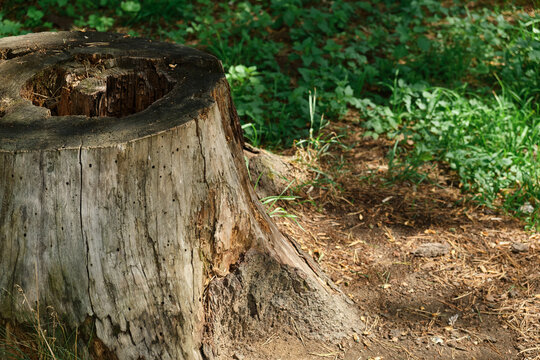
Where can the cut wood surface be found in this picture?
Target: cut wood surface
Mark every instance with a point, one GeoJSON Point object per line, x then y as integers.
{"type": "Point", "coordinates": [126, 206]}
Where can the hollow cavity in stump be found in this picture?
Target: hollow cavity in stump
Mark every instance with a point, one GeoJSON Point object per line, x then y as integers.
{"type": "Point", "coordinates": [95, 85]}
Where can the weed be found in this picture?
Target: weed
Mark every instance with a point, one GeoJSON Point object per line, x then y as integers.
{"type": "Point", "coordinates": [41, 337]}
{"type": "Point", "coordinates": [270, 203]}
{"type": "Point", "coordinates": [317, 146]}
{"type": "Point", "coordinates": [273, 210]}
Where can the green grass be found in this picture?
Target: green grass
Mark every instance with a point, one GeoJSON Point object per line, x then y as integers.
{"type": "Point", "coordinates": [42, 336]}
{"type": "Point", "coordinates": [460, 82]}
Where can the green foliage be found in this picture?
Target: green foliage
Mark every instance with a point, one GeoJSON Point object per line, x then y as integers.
{"type": "Point", "coordinates": [9, 28]}
{"type": "Point", "coordinates": [491, 143]}
{"type": "Point", "coordinates": [469, 99]}
{"type": "Point", "coordinates": [97, 22]}
{"type": "Point", "coordinates": [448, 82]}
{"type": "Point", "coordinates": [130, 6]}
{"type": "Point", "coordinates": [247, 90]}
{"type": "Point", "coordinates": [34, 16]}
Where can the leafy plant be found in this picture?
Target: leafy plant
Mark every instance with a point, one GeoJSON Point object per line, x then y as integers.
{"type": "Point", "coordinates": [34, 16]}
{"type": "Point", "coordinates": [491, 143]}
{"type": "Point", "coordinates": [130, 6]}
{"type": "Point", "coordinates": [100, 23]}
{"type": "Point", "coordinates": [9, 27]}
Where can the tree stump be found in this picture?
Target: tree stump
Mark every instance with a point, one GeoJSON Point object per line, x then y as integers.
{"type": "Point", "coordinates": [126, 206]}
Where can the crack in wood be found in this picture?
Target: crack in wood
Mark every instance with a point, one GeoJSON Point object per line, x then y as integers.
{"type": "Point", "coordinates": [83, 238]}
{"type": "Point", "coordinates": [198, 134]}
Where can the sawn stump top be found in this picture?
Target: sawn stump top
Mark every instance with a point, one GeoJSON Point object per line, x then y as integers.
{"type": "Point", "coordinates": [89, 89]}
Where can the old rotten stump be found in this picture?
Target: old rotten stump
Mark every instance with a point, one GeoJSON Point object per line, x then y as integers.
{"type": "Point", "coordinates": [125, 204]}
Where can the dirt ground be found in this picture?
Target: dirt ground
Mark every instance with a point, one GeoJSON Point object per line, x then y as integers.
{"type": "Point", "coordinates": [474, 296]}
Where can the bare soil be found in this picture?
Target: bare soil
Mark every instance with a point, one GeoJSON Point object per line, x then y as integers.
{"type": "Point", "coordinates": [480, 300]}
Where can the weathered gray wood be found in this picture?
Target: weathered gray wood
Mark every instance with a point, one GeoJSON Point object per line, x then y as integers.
{"type": "Point", "coordinates": [121, 223]}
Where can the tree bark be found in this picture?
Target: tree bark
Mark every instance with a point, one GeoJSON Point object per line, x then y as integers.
{"type": "Point", "coordinates": [125, 204]}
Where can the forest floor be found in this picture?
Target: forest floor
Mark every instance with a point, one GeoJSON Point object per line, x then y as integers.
{"type": "Point", "coordinates": [475, 297]}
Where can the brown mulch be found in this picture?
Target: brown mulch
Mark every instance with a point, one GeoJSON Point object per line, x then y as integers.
{"type": "Point", "coordinates": [481, 299]}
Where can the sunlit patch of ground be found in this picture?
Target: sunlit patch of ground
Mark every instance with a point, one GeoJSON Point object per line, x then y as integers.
{"type": "Point", "coordinates": [481, 299]}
